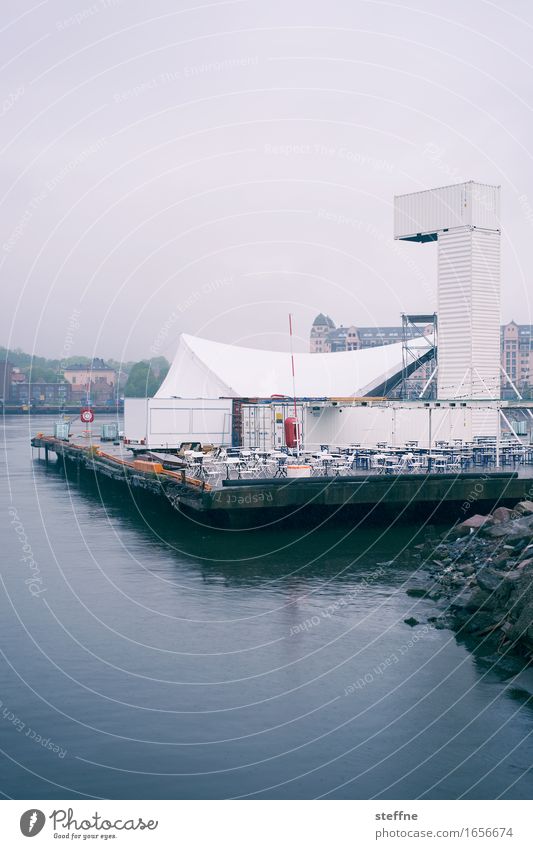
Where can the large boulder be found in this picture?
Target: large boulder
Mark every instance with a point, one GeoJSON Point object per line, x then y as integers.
{"type": "Point", "coordinates": [497, 531]}
{"type": "Point", "coordinates": [514, 531]}
{"type": "Point", "coordinates": [469, 599]}
{"type": "Point", "coordinates": [489, 579]}
{"type": "Point", "coordinates": [478, 622]}
{"type": "Point", "coordinates": [503, 514]}
{"type": "Point", "coordinates": [473, 523]}
{"type": "Point", "coordinates": [520, 608]}
{"type": "Point", "coordinates": [524, 507]}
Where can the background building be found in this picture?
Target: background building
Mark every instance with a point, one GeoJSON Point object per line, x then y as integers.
{"type": "Point", "coordinates": [6, 373]}
{"type": "Point", "coordinates": [326, 338]}
{"type": "Point", "coordinates": [94, 383]}
{"type": "Point", "coordinates": [517, 359]}
{"type": "Point", "coordinates": [40, 393]}
{"type": "Point", "coordinates": [516, 349]}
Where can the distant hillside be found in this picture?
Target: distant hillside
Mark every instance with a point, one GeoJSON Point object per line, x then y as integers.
{"type": "Point", "coordinates": [44, 368]}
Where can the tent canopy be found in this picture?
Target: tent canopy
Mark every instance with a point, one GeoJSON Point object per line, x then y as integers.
{"type": "Point", "coordinates": [206, 369]}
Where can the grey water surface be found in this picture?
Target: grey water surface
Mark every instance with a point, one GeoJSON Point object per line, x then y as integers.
{"type": "Point", "coordinates": [146, 656]}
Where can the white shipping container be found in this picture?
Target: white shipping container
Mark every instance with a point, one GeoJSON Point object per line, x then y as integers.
{"type": "Point", "coordinates": [397, 424]}
{"type": "Point", "coordinates": [172, 421]}
{"type": "Point", "coordinates": [167, 422]}
{"type": "Point", "coordinates": [135, 419]}
{"type": "Point", "coordinates": [257, 426]}
{"type": "Point", "coordinates": [419, 216]}
{"type": "Point", "coordinates": [263, 424]}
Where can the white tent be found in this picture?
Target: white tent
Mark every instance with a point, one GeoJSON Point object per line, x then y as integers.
{"type": "Point", "coordinates": [206, 369]}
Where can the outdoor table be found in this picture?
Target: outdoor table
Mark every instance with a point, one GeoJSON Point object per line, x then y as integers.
{"type": "Point", "coordinates": [196, 459]}
{"type": "Point", "coordinates": [466, 458]}
{"type": "Point", "coordinates": [326, 460]}
{"type": "Point", "coordinates": [281, 471]}
{"type": "Point", "coordinates": [378, 460]}
{"type": "Point", "coordinates": [391, 464]}
{"type": "Point", "coordinates": [484, 457]}
{"type": "Point", "coordinates": [235, 463]}
{"type": "Point", "coordinates": [431, 458]}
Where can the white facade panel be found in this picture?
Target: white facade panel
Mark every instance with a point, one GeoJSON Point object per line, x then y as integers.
{"type": "Point", "coordinates": [454, 312]}
{"type": "Point", "coordinates": [468, 314]}
{"type": "Point", "coordinates": [396, 425]}
{"type": "Point", "coordinates": [434, 210]}
{"type": "Point", "coordinates": [486, 313]}
{"type": "Point", "coordinates": [168, 420]}
{"type": "Point", "coordinates": [135, 418]}
{"type": "Point", "coordinates": [345, 425]}
{"type": "Point", "coordinates": [484, 203]}
{"type": "Point", "coordinates": [172, 421]}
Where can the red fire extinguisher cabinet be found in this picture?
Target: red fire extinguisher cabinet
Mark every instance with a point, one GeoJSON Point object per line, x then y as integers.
{"type": "Point", "coordinates": [292, 432]}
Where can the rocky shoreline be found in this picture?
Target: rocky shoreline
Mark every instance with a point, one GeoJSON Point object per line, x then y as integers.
{"type": "Point", "coordinates": [480, 575]}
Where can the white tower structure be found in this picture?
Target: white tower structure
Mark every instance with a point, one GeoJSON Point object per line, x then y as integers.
{"type": "Point", "coordinates": [464, 220]}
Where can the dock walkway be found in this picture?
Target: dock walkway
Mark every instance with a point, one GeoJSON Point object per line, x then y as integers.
{"type": "Point", "coordinates": [466, 490]}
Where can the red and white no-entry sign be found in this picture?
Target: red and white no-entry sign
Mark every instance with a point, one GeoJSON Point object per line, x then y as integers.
{"type": "Point", "coordinates": [87, 415]}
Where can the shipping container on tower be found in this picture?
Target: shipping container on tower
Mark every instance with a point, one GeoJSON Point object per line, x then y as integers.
{"type": "Point", "coordinates": [464, 220]}
{"type": "Point", "coordinates": [420, 216]}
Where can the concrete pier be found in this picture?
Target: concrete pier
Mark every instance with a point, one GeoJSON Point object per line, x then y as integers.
{"type": "Point", "coordinates": [260, 499]}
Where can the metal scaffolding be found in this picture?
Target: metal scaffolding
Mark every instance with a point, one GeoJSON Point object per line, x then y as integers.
{"type": "Point", "coordinates": [415, 327]}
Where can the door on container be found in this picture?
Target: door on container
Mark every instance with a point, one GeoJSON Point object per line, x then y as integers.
{"type": "Point", "coordinates": [264, 427]}
{"type": "Point", "coordinates": [277, 425]}
{"type": "Point", "coordinates": [248, 425]}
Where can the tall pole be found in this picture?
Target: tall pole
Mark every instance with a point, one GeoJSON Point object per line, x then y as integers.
{"type": "Point", "coordinates": [294, 388]}
{"type": "Point", "coordinates": [498, 438]}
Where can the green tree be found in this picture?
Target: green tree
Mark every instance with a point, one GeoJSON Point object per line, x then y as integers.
{"type": "Point", "coordinates": [36, 373]}
{"type": "Point", "coordinates": [142, 382]}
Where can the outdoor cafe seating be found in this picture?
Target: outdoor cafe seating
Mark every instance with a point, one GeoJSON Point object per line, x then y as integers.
{"type": "Point", "coordinates": [445, 457]}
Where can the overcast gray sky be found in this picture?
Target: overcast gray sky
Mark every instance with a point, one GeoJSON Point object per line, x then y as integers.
{"type": "Point", "coordinates": [207, 167]}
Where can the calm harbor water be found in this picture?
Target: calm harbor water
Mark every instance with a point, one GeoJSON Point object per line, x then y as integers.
{"type": "Point", "coordinates": [144, 656]}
